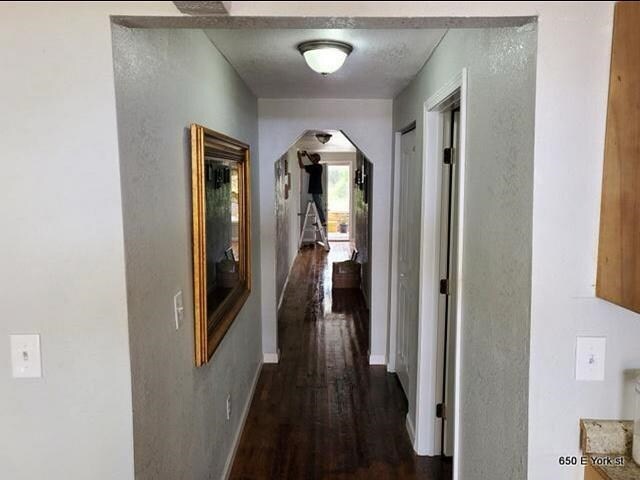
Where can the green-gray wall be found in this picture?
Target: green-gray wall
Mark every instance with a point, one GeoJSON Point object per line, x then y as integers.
{"type": "Point", "coordinates": [166, 80]}
{"type": "Point", "coordinates": [497, 237]}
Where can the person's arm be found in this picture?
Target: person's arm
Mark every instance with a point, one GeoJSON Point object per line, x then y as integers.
{"type": "Point", "coordinates": [300, 154]}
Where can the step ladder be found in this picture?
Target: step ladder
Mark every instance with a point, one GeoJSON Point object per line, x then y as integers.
{"type": "Point", "coordinates": [312, 224]}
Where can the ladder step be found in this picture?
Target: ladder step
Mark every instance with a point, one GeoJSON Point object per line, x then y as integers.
{"type": "Point", "coordinates": [312, 213]}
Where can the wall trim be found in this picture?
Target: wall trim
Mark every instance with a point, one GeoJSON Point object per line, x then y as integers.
{"type": "Point", "coordinates": [443, 93]}
{"type": "Point", "coordinates": [427, 435]}
{"type": "Point", "coordinates": [271, 357]}
{"type": "Point", "coordinates": [377, 360]}
{"type": "Point", "coordinates": [243, 419]}
{"type": "Point", "coordinates": [204, 8]}
{"type": "Point", "coordinates": [307, 22]}
{"type": "Point", "coordinates": [392, 341]}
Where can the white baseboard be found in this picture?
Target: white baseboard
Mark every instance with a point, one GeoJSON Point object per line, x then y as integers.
{"type": "Point", "coordinates": [271, 357]}
{"type": "Point", "coordinates": [411, 431]}
{"type": "Point", "coordinates": [377, 360]}
{"type": "Point", "coordinates": [245, 413]}
{"type": "Point", "coordinates": [284, 289]}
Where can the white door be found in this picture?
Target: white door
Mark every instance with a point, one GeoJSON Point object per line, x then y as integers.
{"type": "Point", "coordinates": [410, 195]}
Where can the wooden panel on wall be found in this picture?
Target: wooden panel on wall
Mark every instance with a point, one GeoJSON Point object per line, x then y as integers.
{"type": "Point", "coordinates": [618, 278]}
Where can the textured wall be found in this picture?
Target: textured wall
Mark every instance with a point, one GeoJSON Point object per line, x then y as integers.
{"type": "Point", "coordinates": [166, 80]}
{"type": "Point", "coordinates": [497, 237]}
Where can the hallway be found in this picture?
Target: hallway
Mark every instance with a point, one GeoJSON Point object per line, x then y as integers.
{"type": "Point", "coordinates": [323, 412]}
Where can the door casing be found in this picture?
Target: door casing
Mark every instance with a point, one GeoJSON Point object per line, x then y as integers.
{"type": "Point", "coordinates": [424, 433]}
{"type": "Point", "coordinates": [428, 437]}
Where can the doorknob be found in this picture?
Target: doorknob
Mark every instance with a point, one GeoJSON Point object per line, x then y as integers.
{"type": "Point", "coordinates": [402, 275]}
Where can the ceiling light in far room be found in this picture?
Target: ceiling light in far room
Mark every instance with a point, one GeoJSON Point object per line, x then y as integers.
{"type": "Point", "coordinates": [323, 137]}
{"type": "Point", "coordinates": [325, 56]}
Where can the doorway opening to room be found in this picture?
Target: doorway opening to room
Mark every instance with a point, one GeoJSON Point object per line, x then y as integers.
{"type": "Point", "coordinates": [445, 411]}
{"type": "Point", "coordinates": [321, 336]}
{"type": "Point", "coordinates": [323, 181]}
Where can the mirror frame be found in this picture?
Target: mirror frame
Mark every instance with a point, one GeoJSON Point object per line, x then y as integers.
{"type": "Point", "coordinates": [211, 328]}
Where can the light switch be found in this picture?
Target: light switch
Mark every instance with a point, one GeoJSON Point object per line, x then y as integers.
{"type": "Point", "coordinates": [590, 356]}
{"type": "Point", "coordinates": [178, 309]}
{"type": "Point", "coordinates": [25, 356]}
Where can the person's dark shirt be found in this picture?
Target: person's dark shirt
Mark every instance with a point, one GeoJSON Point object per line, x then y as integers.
{"type": "Point", "coordinates": [315, 177]}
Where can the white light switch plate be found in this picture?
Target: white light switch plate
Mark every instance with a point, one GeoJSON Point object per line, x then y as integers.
{"type": "Point", "coordinates": [178, 308]}
{"type": "Point", "coordinates": [25, 356]}
{"type": "Point", "coordinates": [590, 357]}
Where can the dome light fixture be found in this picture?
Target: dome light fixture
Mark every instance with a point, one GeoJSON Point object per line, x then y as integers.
{"type": "Point", "coordinates": [323, 138]}
{"type": "Point", "coordinates": [325, 56]}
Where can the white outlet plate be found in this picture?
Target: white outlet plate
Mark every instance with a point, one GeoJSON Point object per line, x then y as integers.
{"type": "Point", "coordinates": [590, 358]}
{"type": "Point", "coordinates": [25, 356]}
{"type": "Point", "coordinates": [178, 309]}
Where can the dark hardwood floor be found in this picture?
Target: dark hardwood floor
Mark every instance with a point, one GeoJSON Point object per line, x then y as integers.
{"type": "Point", "coordinates": [323, 412]}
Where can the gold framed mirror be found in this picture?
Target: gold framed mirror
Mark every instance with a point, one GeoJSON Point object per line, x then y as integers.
{"type": "Point", "coordinates": [221, 235]}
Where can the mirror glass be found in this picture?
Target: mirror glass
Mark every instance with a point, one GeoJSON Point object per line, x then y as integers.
{"type": "Point", "coordinates": [222, 212]}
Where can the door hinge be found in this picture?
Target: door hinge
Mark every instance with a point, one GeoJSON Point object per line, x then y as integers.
{"type": "Point", "coordinates": [444, 286]}
{"type": "Point", "coordinates": [441, 411]}
{"type": "Point", "coordinates": [448, 156]}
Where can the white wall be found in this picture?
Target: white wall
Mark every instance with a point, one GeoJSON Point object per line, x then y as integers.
{"type": "Point", "coordinates": [61, 248]}
{"type": "Point", "coordinates": [570, 127]}
{"type": "Point", "coordinates": [368, 124]}
{"type": "Point", "coordinates": [166, 80]}
{"type": "Point", "coordinates": [496, 264]}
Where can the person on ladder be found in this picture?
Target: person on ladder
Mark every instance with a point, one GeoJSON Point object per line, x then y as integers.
{"type": "Point", "coordinates": [315, 181]}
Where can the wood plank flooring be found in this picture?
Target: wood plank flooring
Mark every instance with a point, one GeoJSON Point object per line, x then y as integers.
{"type": "Point", "coordinates": [323, 412]}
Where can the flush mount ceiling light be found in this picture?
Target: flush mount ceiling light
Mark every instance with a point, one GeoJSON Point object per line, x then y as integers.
{"type": "Point", "coordinates": [325, 56]}
{"type": "Point", "coordinates": [323, 137]}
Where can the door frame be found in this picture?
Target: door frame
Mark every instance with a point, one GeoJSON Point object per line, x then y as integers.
{"type": "Point", "coordinates": [350, 164]}
{"type": "Point", "coordinates": [393, 269]}
{"type": "Point", "coordinates": [427, 435]}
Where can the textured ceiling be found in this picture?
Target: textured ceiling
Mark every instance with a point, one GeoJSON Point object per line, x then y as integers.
{"type": "Point", "coordinates": [382, 63]}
